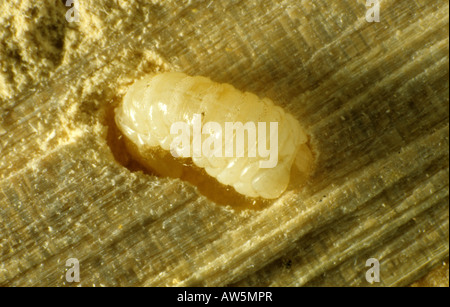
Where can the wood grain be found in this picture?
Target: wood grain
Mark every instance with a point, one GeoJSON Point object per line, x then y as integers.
{"type": "Point", "coordinates": [374, 97]}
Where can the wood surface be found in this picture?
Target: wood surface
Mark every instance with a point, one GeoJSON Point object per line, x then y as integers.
{"type": "Point", "coordinates": [374, 98]}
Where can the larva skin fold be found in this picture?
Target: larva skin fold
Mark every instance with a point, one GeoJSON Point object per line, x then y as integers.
{"type": "Point", "coordinates": [152, 104]}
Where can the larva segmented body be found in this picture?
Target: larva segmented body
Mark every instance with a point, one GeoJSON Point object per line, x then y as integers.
{"type": "Point", "coordinates": [152, 105]}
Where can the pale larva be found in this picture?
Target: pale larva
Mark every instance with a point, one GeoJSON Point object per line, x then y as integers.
{"type": "Point", "coordinates": [154, 104]}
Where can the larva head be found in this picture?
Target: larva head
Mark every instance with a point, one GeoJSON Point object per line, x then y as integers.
{"type": "Point", "coordinates": [272, 182]}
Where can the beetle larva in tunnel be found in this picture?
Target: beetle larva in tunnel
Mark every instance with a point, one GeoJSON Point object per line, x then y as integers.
{"type": "Point", "coordinates": [215, 118]}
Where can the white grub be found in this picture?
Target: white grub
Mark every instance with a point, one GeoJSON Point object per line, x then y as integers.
{"type": "Point", "coordinates": [152, 104]}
